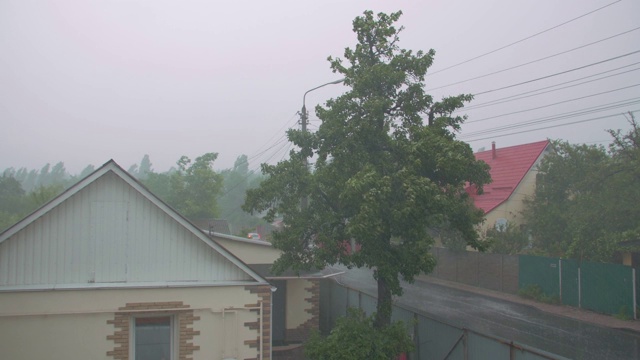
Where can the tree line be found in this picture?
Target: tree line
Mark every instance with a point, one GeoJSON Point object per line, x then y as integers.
{"type": "Point", "coordinates": [192, 187]}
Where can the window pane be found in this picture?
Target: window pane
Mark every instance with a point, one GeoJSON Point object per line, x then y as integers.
{"type": "Point", "coordinates": [153, 338]}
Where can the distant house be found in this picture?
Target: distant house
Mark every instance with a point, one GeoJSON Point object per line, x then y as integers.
{"type": "Point", "coordinates": [108, 271]}
{"type": "Point", "coordinates": [513, 171]}
{"type": "Point", "coordinates": [220, 226]}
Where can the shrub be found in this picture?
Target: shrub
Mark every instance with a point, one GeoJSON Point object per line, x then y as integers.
{"type": "Point", "coordinates": [535, 292]}
{"type": "Point", "coordinates": [355, 338]}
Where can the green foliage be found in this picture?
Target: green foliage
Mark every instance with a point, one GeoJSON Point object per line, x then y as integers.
{"type": "Point", "coordinates": [195, 187]}
{"type": "Point", "coordinates": [236, 182]}
{"type": "Point", "coordinates": [507, 239]}
{"type": "Point", "coordinates": [15, 203]}
{"type": "Point", "coordinates": [355, 338]}
{"type": "Point", "coordinates": [535, 292]}
{"type": "Point", "coordinates": [380, 171]}
{"type": "Point", "coordinates": [586, 198]}
{"type": "Point", "coordinates": [43, 194]}
{"type": "Point", "coordinates": [192, 189]}
{"type": "Point", "coordinates": [11, 195]}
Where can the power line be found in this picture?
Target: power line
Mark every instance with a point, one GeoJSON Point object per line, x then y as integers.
{"type": "Point", "coordinates": [537, 60]}
{"type": "Point", "coordinates": [524, 39]}
{"type": "Point", "coordinates": [548, 127]}
{"type": "Point", "coordinates": [251, 172]}
{"type": "Point", "coordinates": [553, 104]}
{"type": "Point", "coordinates": [562, 116]}
{"type": "Point", "coordinates": [558, 84]}
{"type": "Point", "coordinates": [539, 92]}
{"type": "Point", "coordinates": [560, 73]}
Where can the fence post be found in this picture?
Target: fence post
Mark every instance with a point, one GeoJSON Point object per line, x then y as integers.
{"type": "Point", "coordinates": [416, 334]}
{"type": "Point", "coordinates": [438, 262]}
{"type": "Point", "coordinates": [635, 307]}
{"type": "Point", "coordinates": [580, 286]}
{"type": "Point", "coordinates": [478, 269]}
{"type": "Point", "coordinates": [457, 260]}
{"type": "Point", "coordinates": [465, 345]}
{"type": "Point", "coordinates": [502, 272]}
{"type": "Point", "coordinates": [560, 278]}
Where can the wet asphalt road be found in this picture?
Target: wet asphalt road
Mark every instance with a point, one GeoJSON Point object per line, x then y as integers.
{"type": "Point", "coordinates": [520, 323]}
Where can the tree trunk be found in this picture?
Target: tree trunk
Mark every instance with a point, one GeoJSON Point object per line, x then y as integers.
{"type": "Point", "coordinates": [383, 307]}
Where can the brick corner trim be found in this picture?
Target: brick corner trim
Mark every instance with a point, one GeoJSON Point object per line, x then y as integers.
{"type": "Point", "coordinates": [302, 332]}
{"type": "Point", "coordinates": [264, 294]}
{"type": "Point", "coordinates": [184, 321]}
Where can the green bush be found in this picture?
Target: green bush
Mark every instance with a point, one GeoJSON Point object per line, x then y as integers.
{"type": "Point", "coordinates": [535, 292]}
{"type": "Point", "coordinates": [355, 338]}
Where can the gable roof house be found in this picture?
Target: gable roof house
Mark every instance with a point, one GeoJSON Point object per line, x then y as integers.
{"type": "Point", "coordinates": [106, 270]}
{"type": "Point", "coordinates": [513, 173]}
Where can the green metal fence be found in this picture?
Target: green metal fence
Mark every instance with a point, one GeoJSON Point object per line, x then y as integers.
{"type": "Point", "coordinates": [605, 288]}
{"type": "Point", "coordinates": [570, 287]}
{"type": "Point", "coordinates": [541, 271]}
{"type": "Point", "coordinates": [608, 288]}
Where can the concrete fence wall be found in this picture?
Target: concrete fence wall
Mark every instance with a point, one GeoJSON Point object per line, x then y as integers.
{"type": "Point", "coordinates": [490, 271]}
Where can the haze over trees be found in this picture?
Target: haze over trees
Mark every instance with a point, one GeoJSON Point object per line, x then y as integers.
{"type": "Point", "coordinates": [387, 167]}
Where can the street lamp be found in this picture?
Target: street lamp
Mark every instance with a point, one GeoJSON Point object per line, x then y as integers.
{"type": "Point", "coordinates": [303, 122]}
{"type": "Point", "coordinates": [303, 114]}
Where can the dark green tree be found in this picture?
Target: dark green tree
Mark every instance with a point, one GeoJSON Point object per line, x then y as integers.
{"type": "Point", "coordinates": [58, 175]}
{"type": "Point", "coordinates": [159, 184]}
{"type": "Point", "coordinates": [43, 176]}
{"type": "Point", "coordinates": [236, 182]}
{"type": "Point", "coordinates": [388, 167]}
{"type": "Point", "coordinates": [43, 194]}
{"type": "Point", "coordinates": [13, 203]}
{"type": "Point", "coordinates": [195, 187]}
{"type": "Point", "coordinates": [145, 167]}
{"type": "Point", "coordinates": [507, 239]}
{"type": "Point", "coordinates": [586, 198]}
{"type": "Point", "coordinates": [567, 176]}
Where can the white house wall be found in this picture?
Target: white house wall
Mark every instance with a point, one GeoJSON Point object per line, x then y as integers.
{"type": "Point", "coordinates": [109, 233]}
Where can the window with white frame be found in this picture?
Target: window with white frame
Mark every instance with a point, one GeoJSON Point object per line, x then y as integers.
{"type": "Point", "coordinates": [152, 338]}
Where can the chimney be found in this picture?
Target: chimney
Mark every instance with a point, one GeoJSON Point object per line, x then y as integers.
{"type": "Point", "coordinates": [493, 149]}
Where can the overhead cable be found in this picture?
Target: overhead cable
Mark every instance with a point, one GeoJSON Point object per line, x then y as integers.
{"type": "Point", "coordinates": [539, 92]}
{"type": "Point", "coordinates": [537, 60]}
{"type": "Point", "coordinates": [556, 117]}
{"type": "Point", "coordinates": [553, 104]}
{"type": "Point", "coordinates": [549, 127]}
{"type": "Point", "coordinates": [524, 39]}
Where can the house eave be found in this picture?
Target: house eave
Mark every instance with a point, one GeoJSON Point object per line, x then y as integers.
{"type": "Point", "coordinates": [127, 286]}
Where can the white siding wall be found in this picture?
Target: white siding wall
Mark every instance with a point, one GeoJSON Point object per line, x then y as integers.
{"type": "Point", "coordinates": [108, 232]}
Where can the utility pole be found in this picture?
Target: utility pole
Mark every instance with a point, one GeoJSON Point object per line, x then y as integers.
{"type": "Point", "coordinates": [304, 115]}
{"type": "Point", "coordinates": [304, 120]}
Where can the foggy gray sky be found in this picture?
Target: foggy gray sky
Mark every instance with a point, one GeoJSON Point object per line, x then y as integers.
{"type": "Point", "coordinates": [86, 81]}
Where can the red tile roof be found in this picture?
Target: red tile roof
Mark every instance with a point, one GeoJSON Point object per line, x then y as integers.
{"type": "Point", "coordinates": [508, 168]}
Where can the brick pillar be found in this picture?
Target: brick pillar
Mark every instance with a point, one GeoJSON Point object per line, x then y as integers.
{"type": "Point", "coordinates": [264, 295]}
